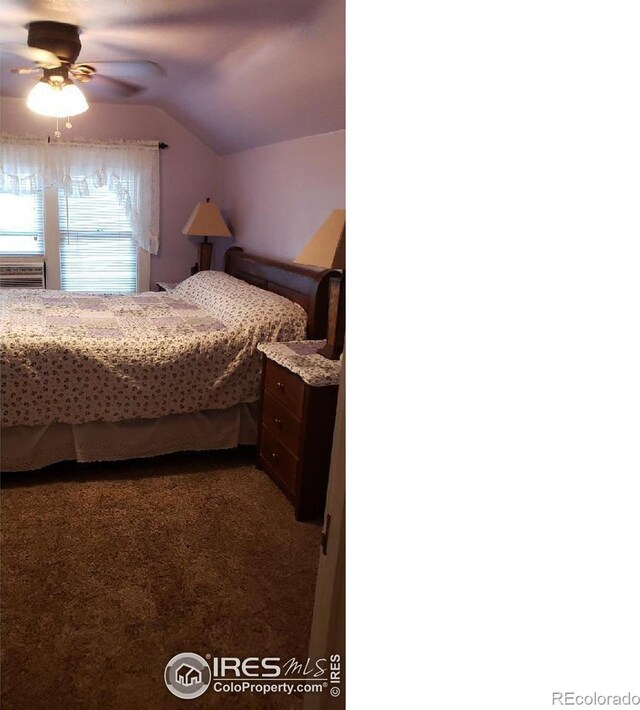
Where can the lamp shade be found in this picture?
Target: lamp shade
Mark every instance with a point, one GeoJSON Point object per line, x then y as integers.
{"type": "Point", "coordinates": [206, 221]}
{"type": "Point", "coordinates": [326, 247]}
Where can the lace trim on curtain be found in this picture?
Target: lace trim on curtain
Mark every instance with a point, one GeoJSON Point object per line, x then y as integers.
{"type": "Point", "coordinates": [18, 184]}
{"type": "Point", "coordinates": [50, 172]}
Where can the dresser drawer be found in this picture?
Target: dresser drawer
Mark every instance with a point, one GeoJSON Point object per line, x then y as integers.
{"type": "Point", "coordinates": [282, 423]}
{"type": "Point", "coordinates": [285, 387]}
{"type": "Point", "coordinates": [279, 460]}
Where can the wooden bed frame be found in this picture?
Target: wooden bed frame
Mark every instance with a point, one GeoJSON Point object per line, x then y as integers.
{"type": "Point", "coordinates": [306, 285]}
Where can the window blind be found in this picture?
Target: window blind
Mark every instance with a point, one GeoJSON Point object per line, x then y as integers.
{"type": "Point", "coordinates": [21, 225]}
{"type": "Point", "coordinates": [97, 251]}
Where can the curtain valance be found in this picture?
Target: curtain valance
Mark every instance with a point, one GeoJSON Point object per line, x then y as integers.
{"type": "Point", "coordinates": [131, 169]}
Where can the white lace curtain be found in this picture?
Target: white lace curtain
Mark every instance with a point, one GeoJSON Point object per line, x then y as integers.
{"type": "Point", "coordinates": [131, 169]}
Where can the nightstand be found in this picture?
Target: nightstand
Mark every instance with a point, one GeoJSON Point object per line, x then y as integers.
{"type": "Point", "coordinates": [299, 398]}
{"type": "Point", "coordinates": [166, 286]}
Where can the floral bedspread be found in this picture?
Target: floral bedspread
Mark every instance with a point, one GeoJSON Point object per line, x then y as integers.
{"type": "Point", "coordinates": [75, 358]}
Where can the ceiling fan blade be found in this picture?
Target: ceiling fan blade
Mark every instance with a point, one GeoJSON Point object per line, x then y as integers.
{"type": "Point", "coordinates": [42, 57]}
{"type": "Point", "coordinates": [25, 70]}
{"type": "Point", "coordinates": [123, 88]}
{"type": "Point", "coordinates": [128, 68]}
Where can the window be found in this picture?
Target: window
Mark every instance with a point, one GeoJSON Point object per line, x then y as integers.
{"type": "Point", "coordinates": [21, 227]}
{"type": "Point", "coordinates": [97, 251]}
{"type": "Point", "coordinates": [87, 242]}
{"type": "Point", "coordinates": [96, 242]}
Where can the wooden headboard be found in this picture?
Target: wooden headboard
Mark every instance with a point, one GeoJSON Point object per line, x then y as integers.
{"type": "Point", "coordinates": [306, 285]}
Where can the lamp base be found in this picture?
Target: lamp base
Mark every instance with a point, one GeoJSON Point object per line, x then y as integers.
{"type": "Point", "coordinates": [204, 256]}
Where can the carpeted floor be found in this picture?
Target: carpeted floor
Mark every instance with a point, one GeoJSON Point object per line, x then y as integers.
{"type": "Point", "coordinates": [109, 570]}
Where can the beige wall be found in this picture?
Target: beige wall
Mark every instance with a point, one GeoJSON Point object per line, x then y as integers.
{"type": "Point", "coordinates": [276, 196]}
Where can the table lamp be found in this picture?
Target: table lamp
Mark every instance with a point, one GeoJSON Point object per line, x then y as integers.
{"type": "Point", "coordinates": [327, 249]}
{"type": "Point", "coordinates": [206, 221]}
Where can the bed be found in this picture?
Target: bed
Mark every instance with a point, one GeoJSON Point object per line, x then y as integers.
{"type": "Point", "coordinates": [89, 377]}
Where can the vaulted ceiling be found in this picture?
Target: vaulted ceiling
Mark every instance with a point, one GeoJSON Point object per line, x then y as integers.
{"type": "Point", "coordinates": [239, 73]}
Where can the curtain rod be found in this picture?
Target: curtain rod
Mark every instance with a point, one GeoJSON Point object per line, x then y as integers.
{"type": "Point", "coordinates": [161, 146]}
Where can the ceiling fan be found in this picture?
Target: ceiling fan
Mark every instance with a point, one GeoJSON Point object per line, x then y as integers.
{"type": "Point", "coordinates": [54, 47]}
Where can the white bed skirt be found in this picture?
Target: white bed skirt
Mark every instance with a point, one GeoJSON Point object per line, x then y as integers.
{"type": "Point", "coordinates": [26, 448]}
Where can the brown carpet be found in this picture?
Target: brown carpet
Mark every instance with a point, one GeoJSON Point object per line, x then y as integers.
{"type": "Point", "coordinates": [109, 570]}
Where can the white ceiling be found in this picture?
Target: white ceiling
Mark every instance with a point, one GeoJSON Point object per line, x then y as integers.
{"type": "Point", "coordinates": [239, 73]}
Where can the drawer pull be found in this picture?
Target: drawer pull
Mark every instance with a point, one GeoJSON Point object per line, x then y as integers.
{"type": "Point", "coordinates": [275, 457]}
{"type": "Point", "coordinates": [280, 386]}
{"type": "Point", "coordinates": [278, 422]}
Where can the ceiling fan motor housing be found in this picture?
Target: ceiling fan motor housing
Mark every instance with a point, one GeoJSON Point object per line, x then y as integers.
{"type": "Point", "coordinates": [58, 37]}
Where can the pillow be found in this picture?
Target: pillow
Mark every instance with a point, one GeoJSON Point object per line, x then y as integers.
{"type": "Point", "coordinates": [240, 305]}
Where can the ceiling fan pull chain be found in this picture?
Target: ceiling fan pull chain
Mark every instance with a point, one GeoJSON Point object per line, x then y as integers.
{"type": "Point", "coordinates": [68, 124]}
{"type": "Point", "coordinates": [57, 134]}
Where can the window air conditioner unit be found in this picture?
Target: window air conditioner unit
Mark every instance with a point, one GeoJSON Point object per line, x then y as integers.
{"type": "Point", "coordinates": [18, 272]}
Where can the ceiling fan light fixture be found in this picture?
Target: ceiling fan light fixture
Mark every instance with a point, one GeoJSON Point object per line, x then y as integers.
{"type": "Point", "coordinates": [56, 98]}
